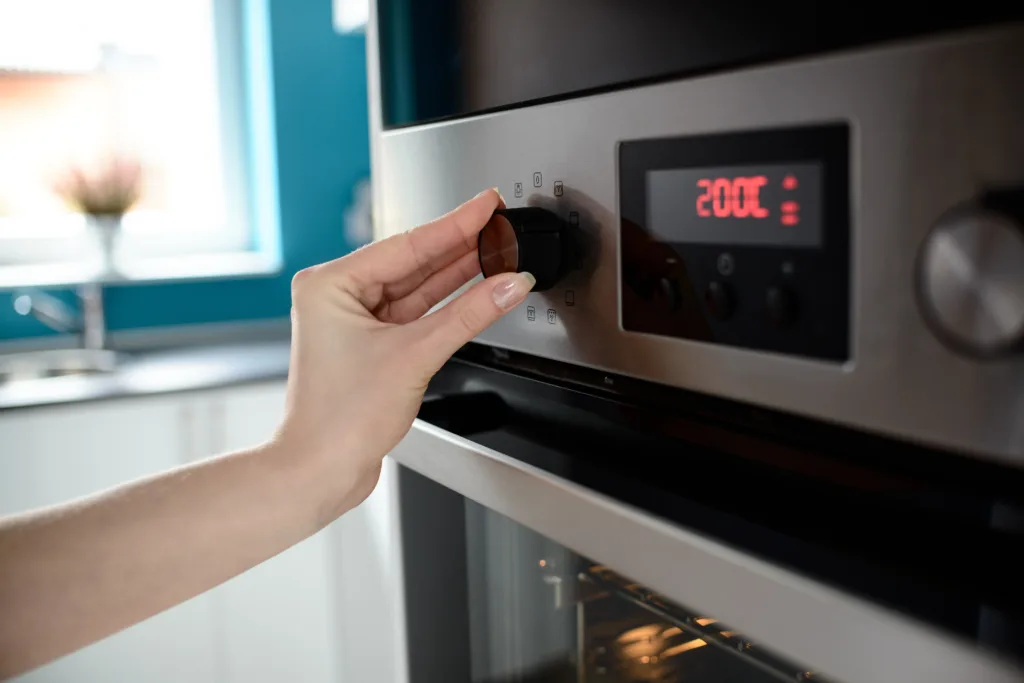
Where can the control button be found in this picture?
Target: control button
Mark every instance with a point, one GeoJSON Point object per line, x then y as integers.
{"type": "Point", "coordinates": [719, 300]}
{"type": "Point", "coordinates": [781, 305]}
{"type": "Point", "coordinates": [531, 313]}
{"type": "Point", "coordinates": [970, 277]}
{"type": "Point", "coordinates": [537, 179]}
{"type": "Point", "coordinates": [668, 291]}
{"type": "Point", "coordinates": [570, 297]}
{"type": "Point", "coordinates": [552, 316]}
{"type": "Point", "coordinates": [559, 188]}
{"type": "Point", "coordinates": [524, 240]}
{"type": "Point", "coordinates": [518, 189]}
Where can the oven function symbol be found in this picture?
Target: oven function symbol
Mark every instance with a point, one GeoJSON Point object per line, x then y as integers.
{"type": "Point", "coordinates": [726, 264]}
{"type": "Point", "coordinates": [538, 180]}
{"type": "Point", "coordinates": [559, 189]}
{"type": "Point", "coordinates": [570, 297]}
{"type": "Point", "coordinates": [531, 313]}
{"type": "Point", "coordinates": [519, 189]}
{"type": "Point", "coordinates": [574, 219]}
{"type": "Point", "coordinates": [552, 316]}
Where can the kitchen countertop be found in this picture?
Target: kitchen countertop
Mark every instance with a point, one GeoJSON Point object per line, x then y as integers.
{"type": "Point", "coordinates": [144, 373]}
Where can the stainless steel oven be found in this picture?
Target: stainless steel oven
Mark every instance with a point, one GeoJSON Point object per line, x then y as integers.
{"type": "Point", "coordinates": [765, 420]}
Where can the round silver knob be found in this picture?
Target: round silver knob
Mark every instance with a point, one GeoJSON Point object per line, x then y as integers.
{"type": "Point", "coordinates": [970, 281]}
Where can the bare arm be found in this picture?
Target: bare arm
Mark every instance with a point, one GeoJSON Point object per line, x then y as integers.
{"type": "Point", "coordinates": [362, 353]}
{"type": "Point", "coordinates": [75, 573]}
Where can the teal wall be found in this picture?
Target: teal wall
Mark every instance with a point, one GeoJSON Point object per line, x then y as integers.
{"type": "Point", "coordinates": [322, 150]}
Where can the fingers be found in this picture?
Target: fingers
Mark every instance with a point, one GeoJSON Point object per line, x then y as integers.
{"type": "Point", "coordinates": [445, 331]}
{"type": "Point", "coordinates": [403, 262]}
{"type": "Point", "coordinates": [436, 287]}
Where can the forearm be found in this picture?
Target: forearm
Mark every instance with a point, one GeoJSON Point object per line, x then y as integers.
{"type": "Point", "coordinates": [73, 574]}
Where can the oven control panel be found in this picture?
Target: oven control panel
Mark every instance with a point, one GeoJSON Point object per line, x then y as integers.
{"type": "Point", "coordinates": [840, 238]}
{"type": "Point", "coordinates": [739, 239]}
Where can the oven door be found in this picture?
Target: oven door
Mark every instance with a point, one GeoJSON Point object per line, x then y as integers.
{"type": "Point", "coordinates": [555, 532]}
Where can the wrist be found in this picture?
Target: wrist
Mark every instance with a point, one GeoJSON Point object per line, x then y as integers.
{"type": "Point", "coordinates": [320, 479]}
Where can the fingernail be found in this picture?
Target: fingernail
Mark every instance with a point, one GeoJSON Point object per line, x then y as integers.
{"type": "Point", "coordinates": [513, 289]}
{"type": "Point", "coordinates": [494, 190]}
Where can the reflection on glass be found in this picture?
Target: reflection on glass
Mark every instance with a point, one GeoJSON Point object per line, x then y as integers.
{"type": "Point", "coordinates": [540, 613]}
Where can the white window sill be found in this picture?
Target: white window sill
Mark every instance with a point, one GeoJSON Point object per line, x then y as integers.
{"type": "Point", "coordinates": [212, 266]}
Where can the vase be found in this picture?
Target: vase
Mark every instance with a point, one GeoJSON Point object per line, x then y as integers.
{"type": "Point", "coordinates": [106, 232]}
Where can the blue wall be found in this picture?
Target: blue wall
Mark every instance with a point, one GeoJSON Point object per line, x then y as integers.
{"type": "Point", "coordinates": [322, 150]}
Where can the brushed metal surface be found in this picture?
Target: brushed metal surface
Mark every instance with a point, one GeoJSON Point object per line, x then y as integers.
{"type": "Point", "coordinates": [972, 281]}
{"type": "Point", "coordinates": [932, 122]}
{"type": "Point", "coordinates": [842, 637]}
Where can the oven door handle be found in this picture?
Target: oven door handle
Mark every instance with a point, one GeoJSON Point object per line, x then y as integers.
{"type": "Point", "coordinates": [844, 637]}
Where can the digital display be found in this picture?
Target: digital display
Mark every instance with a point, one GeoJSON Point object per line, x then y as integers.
{"type": "Point", "coordinates": [768, 205]}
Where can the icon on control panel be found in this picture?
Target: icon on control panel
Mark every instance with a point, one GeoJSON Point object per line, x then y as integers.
{"type": "Point", "coordinates": [790, 213]}
{"type": "Point", "coordinates": [574, 219]}
{"type": "Point", "coordinates": [558, 188]}
{"type": "Point", "coordinates": [519, 189]}
{"type": "Point", "coordinates": [552, 316]}
{"type": "Point", "coordinates": [537, 179]}
{"type": "Point", "coordinates": [570, 297]}
{"type": "Point", "coordinates": [726, 265]}
{"type": "Point", "coordinates": [531, 313]}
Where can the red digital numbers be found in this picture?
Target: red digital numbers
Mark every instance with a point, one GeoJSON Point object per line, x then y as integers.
{"type": "Point", "coordinates": [731, 197]}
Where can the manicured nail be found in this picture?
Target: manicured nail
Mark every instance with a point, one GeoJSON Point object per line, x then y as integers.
{"type": "Point", "coordinates": [512, 290]}
{"type": "Point", "coordinates": [494, 190]}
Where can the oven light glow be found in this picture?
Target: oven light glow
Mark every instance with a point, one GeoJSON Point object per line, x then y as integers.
{"type": "Point", "coordinates": [683, 647]}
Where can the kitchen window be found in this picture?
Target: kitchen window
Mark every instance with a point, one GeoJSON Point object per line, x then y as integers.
{"type": "Point", "coordinates": [160, 83]}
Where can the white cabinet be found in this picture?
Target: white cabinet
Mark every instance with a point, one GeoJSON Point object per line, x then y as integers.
{"type": "Point", "coordinates": [51, 455]}
{"type": "Point", "coordinates": [273, 623]}
{"type": "Point", "coordinates": [279, 616]}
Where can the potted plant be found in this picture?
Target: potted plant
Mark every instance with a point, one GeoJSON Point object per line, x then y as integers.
{"type": "Point", "coordinates": [104, 196]}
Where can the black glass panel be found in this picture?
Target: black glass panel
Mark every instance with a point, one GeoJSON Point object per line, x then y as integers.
{"type": "Point", "coordinates": [740, 239]}
{"type": "Point", "coordinates": [448, 58]}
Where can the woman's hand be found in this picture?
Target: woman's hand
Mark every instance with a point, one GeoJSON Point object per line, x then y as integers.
{"type": "Point", "coordinates": [363, 349]}
{"type": "Point", "coordinates": [362, 353]}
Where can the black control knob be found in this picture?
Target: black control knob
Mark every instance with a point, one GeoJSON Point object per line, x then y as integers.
{"type": "Point", "coordinates": [782, 306]}
{"type": "Point", "coordinates": [524, 240]}
{"type": "Point", "coordinates": [719, 299]}
{"type": "Point", "coordinates": [970, 276]}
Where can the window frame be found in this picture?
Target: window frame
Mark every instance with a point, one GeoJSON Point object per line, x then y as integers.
{"type": "Point", "coordinates": [39, 252]}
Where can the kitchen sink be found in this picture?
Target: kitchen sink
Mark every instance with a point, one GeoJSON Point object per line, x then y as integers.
{"type": "Point", "coordinates": [34, 365]}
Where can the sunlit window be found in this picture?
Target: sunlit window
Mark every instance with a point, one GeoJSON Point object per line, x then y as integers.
{"type": "Point", "coordinates": [155, 82]}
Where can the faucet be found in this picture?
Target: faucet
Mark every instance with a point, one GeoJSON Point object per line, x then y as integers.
{"type": "Point", "coordinates": [55, 314]}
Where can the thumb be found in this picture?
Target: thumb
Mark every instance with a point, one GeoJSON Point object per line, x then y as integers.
{"type": "Point", "coordinates": [461, 320]}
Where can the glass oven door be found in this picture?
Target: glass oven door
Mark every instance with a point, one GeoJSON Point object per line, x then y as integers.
{"type": "Point", "coordinates": [554, 533]}
{"type": "Point", "coordinates": [529, 610]}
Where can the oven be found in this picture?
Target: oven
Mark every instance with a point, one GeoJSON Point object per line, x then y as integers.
{"type": "Point", "coordinates": [764, 418]}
